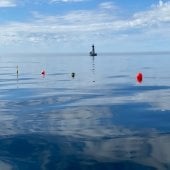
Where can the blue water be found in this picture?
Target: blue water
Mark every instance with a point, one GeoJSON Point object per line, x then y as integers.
{"type": "Point", "coordinates": [99, 119]}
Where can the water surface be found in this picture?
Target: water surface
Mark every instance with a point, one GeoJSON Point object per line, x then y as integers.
{"type": "Point", "coordinates": [99, 119]}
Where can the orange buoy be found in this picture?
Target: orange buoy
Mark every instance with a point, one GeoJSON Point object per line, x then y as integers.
{"type": "Point", "coordinates": [139, 77]}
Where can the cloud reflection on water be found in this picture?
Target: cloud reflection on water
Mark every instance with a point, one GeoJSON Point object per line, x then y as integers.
{"type": "Point", "coordinates": [64, 123]}
{"type": "Point", "coordinates": [59, 152]}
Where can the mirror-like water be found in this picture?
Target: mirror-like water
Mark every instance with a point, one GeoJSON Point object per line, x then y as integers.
{"type": "Point", "coordinates": [100, 118]}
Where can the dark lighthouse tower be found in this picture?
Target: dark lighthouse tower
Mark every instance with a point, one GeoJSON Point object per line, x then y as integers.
{"type": "Point", "coordinates": [93, 53]}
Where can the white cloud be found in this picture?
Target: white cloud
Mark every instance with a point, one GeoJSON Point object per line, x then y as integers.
{"type": "Point", "coordinates": [7, 3]}
{"type": "Point", "coordinates": [156, 15]}
{"type": "Point", "coordinates": [160, 3]}
{"type": "Point", "coordinates": [83, 25]}
{"type": "Point", "coordinates": [13, 3]}
{"type": "Point", "coordinates": [107, 5]}
{"type": "Point", "coordinates": [56, 1]}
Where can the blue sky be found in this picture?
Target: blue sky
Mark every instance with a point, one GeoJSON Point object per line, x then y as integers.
{"type": "Point", "coordinates": [73, 25]}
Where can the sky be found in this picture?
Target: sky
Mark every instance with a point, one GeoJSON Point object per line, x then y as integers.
{"type": "Point", "coordinates": [63, 26]}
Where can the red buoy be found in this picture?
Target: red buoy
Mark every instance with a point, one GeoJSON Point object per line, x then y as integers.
{"type": "Point", "coordinates": [139, 77]}
{"type": "Point", "coordinates": [43, 72]}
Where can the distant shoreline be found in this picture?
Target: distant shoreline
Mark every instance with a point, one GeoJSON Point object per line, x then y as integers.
{"type": "Point", "coordinates": [87, 54]}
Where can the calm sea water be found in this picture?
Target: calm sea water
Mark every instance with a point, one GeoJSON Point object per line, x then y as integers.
{"type": "Point", "coordinates": [99, 119]}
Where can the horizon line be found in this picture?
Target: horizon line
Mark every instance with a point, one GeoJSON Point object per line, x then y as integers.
{"type": "Point", "coordinates": [84, 53]}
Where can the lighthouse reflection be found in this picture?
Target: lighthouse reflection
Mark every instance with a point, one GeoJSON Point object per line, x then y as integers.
{"type": "Point", "coordinates": [93, 67]}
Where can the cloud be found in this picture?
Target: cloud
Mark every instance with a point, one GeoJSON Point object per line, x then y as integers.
{"type": "Point", "coordinates": [160, 3]}
{"type": "Point", "coordinates": [157, 15]}
{"type": "Point", "coordinates": [14, 3]}
{"type": "Point", "coordinates": [56, 1]}
{"type": "Point", "coordinates": [7, 3]}
{"type": "Point", "coordinates": [86, 25]}
{"type": "Point", "coordinates": [107, 5]}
